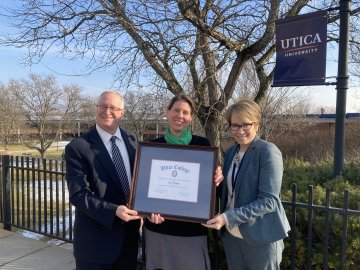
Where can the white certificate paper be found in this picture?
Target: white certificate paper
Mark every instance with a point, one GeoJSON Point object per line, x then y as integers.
{"type": "Point", "coordinates": [174, 180]}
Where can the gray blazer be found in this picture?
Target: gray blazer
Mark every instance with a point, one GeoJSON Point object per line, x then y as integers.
{"type": "Point", "coordinates": [258, 210]}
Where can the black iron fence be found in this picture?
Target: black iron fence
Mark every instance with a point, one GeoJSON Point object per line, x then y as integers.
{"type": "Point", "coordinates": [34, 197]}
{"type": "Point", "coordinates": [330, 234]}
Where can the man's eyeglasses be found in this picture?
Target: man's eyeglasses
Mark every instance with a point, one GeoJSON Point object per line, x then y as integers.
{"type": "Point", "coordinates": [245, 126]}
{"type": "Point", "coordinates": [112, 109]}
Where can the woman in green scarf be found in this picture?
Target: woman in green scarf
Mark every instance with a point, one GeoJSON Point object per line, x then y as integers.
{"type": "Point", "coordinates": [171, 244]}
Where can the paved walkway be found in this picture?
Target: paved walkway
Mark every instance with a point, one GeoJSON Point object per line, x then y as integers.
{"type": "Point", "coordinates": [22, 253]}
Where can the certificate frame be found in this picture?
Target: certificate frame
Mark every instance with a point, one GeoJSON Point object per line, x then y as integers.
{"type": "Point", "coordinates": [175, 181]}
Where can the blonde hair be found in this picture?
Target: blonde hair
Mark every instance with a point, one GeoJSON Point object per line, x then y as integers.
{"type": "Point", "coordinates": [247, 110]}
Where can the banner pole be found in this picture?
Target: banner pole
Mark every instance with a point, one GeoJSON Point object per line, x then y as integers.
{"type": "Point", "coordinates": [341, 87]}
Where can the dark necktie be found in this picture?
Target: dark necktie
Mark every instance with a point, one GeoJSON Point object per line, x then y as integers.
{"type": "Point", "coordinates": [120, 167]}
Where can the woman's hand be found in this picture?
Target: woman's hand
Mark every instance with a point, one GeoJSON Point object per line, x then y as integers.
{"type": "Point", "coordinates": [218, 176]}
{"type": "Point", "coordinates": [215, 223]}
{"type": "Point", "coordinates": [156, 218]}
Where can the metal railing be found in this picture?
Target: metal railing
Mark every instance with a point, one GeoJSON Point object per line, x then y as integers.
{"type": "Point", "coordinates": [325, 212]}
{"type": "Point", "coordinates": [34, 197]}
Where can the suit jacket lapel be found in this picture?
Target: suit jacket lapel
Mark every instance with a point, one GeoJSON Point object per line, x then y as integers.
{"type": "Point", "coordinates": [227, 165]}
{"type": "Point", "coordinates": [103, 156]}
{"type": "Point", "coordinates": [226, 169]}
{"type": "Point", "coordinates": [130, 143]}
{"type": "Point", "coordinates": [244, 164]}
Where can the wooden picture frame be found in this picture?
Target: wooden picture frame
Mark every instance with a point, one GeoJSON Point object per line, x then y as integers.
{"type": "Point", "coordinates": [176, 181]}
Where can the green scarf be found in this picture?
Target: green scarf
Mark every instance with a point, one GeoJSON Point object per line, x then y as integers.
{"type": "Point", "coordinates": [185, 137]}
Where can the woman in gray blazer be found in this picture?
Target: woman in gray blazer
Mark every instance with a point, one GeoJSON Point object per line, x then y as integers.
{"type": "Point", "coordinates": [253, 220]}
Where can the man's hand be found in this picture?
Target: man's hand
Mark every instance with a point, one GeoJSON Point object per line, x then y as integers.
{"type": "Point", "coordinates": [126, 214]}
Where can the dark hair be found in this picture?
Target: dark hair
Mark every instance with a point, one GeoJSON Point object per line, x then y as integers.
{"type": "Point", "coordinates": [182, 98]}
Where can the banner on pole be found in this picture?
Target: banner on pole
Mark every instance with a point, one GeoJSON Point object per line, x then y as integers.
{"type": "Point", "coordinates": [301, 50]}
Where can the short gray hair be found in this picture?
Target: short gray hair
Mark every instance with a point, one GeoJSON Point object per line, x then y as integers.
{"type": "Point", "coordinates": [114, 92]}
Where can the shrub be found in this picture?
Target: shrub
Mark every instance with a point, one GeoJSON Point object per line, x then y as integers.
{"type": "Point", "coordinates": [319, 175]}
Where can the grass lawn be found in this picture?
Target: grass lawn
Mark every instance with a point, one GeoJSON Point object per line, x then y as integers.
{"type": "Point", "coordinates": [20, 150]}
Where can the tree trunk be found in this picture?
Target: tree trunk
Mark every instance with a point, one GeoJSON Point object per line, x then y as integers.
{"type": "Point", "coordinates": [212, 126]}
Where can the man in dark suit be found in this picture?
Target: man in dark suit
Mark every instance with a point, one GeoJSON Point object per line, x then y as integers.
{"type": "Point", "coordinates": [106, 232]}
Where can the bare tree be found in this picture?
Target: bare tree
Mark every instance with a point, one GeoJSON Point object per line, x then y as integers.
{"type": "Point", "coordinates": [162, 42]}
{"type": "Point", "coordinates": [144, 111]}
{"type": "Point", "coordinates": [45, 107]}
{"type": "Point", "coordinates": [9, 115]}
{"type": "Point", "coordinates": [283, 108]}
{"type": "Point", "coordinates": [284, 111]}
{"type": "Point", "coordinates": [82, 117]}
{"type": "Point", "coordinates": [357, 97]}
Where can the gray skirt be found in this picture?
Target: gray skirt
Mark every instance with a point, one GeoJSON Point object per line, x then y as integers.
{"type": "Point", "coordinates": [169, 252]}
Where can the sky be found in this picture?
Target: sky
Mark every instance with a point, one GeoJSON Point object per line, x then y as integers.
{"type": "Point", "coordinates": [95, 83]}
{"type": "Point", "coordinates": [65, 71]}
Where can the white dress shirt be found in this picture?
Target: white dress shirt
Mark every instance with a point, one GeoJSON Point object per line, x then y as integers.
{"type": "Point", "coordinates": [105, 137]}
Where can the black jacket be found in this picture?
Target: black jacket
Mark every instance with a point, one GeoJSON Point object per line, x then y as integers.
{"type": "Point", "coordinates": [96, 192]}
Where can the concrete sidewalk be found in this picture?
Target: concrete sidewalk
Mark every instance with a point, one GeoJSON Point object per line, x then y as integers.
{"type": "Point", "coordinates": [22, 253]}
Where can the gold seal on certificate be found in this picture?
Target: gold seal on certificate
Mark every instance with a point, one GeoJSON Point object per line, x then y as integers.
{"type": "Point", "coordinates": [175, 181]}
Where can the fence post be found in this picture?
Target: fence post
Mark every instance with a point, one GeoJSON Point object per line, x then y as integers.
{"type": "Point", "coordinates": [344, 229]}
{"type": "Point", "coordinates": [5, 160]}
{"type": "Point", "coordinates": [1, 193]}
{"type": "Point", "coordinates": [310, 227]}
{"type": "Point", "coordinates": [327, 230]}
{"type": "Point", "coordinates": [293, 225]}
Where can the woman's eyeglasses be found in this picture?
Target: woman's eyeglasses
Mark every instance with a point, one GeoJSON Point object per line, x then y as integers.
{"type": "Point", "coordinates": [244, 127]}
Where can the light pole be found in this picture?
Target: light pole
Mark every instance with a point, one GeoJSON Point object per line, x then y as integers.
{"type": "Point", "coordinates": [341, 87]}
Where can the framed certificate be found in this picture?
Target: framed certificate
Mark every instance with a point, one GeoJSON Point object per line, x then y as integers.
{"type": "Point", "coordinates": [176, 181]}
